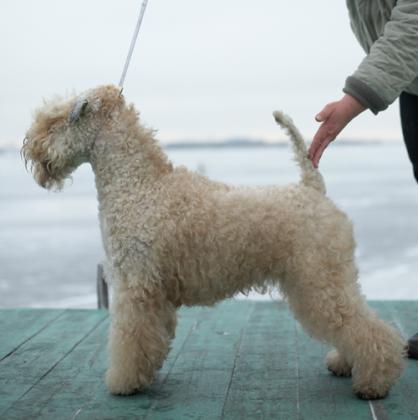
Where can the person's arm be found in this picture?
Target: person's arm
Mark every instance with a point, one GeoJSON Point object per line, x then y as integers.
{"type": "Point", "coordinates": [390, 67]}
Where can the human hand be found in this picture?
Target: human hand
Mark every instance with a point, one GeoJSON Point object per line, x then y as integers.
{"type": "Point", "coordinates": [334, 117]}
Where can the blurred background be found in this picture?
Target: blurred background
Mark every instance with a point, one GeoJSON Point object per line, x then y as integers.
{"type": "Point", "coordinates": [207, 75]}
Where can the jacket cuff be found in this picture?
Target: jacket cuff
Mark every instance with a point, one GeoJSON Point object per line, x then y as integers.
{"type": "Point", "coordinates": [364, 94]}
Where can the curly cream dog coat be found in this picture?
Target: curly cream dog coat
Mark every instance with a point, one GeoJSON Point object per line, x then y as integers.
{"type": "Point", "coordinates": [173, 237]}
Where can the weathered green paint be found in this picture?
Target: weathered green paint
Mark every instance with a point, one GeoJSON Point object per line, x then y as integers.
{"type": "Point", "coordinates": [20, 325]}
{"type": "Point", "coordinates": [71, 383]}
{"type": "Point", "coordinates": [403, 399]}
{"type": "Point", "coordinates": [30, 363]}
{"type": "Point", "coordinates": [106, 406]}
{"type": "Point", "coordinates": [321, 394]}
{"type": "Point", "coordinates": [203, 370]}
{"type": "Point", "coordinates": [239, 360]}
{"type": "Point", "coordinates": [264, 382]}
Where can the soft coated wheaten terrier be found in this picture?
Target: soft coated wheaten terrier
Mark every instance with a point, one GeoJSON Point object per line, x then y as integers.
{"type": "Point", "coordinates": [173, 237]}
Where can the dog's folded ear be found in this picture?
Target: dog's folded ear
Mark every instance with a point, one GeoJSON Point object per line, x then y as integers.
{"type": "Point", "coordinates": [78, 109]}
{"type": "Point", "coordinates": [101, 100]}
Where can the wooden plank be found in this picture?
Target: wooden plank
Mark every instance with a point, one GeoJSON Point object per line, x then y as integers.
{"type": "Point", "coordinates": [237, 360]}
{"type": "Point", "coordinates": [19, 325]}
{"type": "Point", "coordinates": [321, 394]}
{"type": "Point", "coordinates": [197, 385]}
{"type": "Point", "coordinates": [101, 405]}
{"type": "Point", "coordinates": [339, 404]}
{"type": "Point", "coordinates": [32, 361]}
{"type": "Point", "coordinates": [264, 383]}
{"type": "Point", "coordinates": [62, 392]}
{"type": "Point", "coordinates": [402, 402]}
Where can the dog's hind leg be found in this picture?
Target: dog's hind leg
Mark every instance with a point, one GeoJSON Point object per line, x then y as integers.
{"type": "Point", "coordinates": [376, 351]}
{"type": "Point", "coordinates": [142, 327]}
{"type": "Point", "coordinates": [330, 307]}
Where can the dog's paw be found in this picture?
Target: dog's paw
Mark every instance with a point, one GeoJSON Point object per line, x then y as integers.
{"type": "Point", "coordinates": [119, 384]}
{"type": "Point", "coordinates": [371, 394]}
{"type": "Point", "coordinates": [337, 365]}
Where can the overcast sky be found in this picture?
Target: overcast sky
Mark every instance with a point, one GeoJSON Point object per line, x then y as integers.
{"type": "Point", "coordinates": [201, 69]}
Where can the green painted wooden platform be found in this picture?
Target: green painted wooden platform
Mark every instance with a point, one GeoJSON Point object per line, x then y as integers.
{"type": "Point", "coordinates": [240, 360]}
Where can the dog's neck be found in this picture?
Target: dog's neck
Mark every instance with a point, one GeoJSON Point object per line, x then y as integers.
{"type": "Point", "coordinates": [125, 153]}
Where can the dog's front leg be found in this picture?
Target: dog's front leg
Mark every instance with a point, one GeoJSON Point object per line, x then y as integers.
{"type": "Point", "coordinates": [141, 329]}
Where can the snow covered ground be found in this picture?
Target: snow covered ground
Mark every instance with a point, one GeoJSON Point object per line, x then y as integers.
{"type": "Point", "coordinates": [50, 242]}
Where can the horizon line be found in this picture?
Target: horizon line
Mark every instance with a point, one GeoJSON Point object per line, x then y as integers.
{"type": "Point", "coordinates": [236, 142]}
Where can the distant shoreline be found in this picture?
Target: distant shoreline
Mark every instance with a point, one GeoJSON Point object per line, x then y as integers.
{"type": "Point", "coordinates": [259, 143]}
{"type": "Point", "coordinates": [239, 144]}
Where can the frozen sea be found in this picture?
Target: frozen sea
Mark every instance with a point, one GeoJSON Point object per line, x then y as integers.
{"type": "Point", "coordinates": [50, 242]}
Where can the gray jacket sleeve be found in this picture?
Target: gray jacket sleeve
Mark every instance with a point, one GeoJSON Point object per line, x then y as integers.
{"type": "Point", "coordinates": [392, 63]}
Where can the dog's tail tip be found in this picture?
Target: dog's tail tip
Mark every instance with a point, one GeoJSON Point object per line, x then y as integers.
{"type": "Point", "coordinates": [310, 176]}
{"type": "Point", "coordinates": [280, 117]}
{"type": "Point", "coordinates": [285, 122]}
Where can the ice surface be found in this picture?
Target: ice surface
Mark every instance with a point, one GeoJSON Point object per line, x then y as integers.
{"type": "Point", "coordinates": [50, 242]}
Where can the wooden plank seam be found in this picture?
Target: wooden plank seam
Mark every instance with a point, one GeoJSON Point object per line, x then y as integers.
{"type": "Point", "coordinates": [164, 380]}
{"type": "Point", "coordinates": [32, 336]}
{"type": "Point", "coordinates": [237, 355]}
{"type": "Point", "coordinates": [378, 411]}
{"type": "Point", "coordinates": [59, 361]}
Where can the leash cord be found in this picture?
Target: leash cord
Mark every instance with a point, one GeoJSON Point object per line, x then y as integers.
{"type": "Point", "coordinates": [133, 41]}
{"type": "Point", "coordinates": [125, 68]}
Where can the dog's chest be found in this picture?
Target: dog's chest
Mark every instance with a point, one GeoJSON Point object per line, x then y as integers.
{"type": "Point", "coordinates": [126, 229]}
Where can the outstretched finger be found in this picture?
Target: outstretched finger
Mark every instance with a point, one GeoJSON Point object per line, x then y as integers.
{"type": "Point", "coordinates": [317, 157]}
{"type": "Point", "coordinates": [312, 149]}
{"type": "Point", "coordinates": [320, 136]}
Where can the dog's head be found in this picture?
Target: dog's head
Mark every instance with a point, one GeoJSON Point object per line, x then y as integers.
{"type": "Point", "coordinates": [64, 131]}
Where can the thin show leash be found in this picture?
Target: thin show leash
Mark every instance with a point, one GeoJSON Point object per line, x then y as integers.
{"type": "Point", "coordinates": [126, 66]}
{"type": "Point", "coordinates": [133, 42]}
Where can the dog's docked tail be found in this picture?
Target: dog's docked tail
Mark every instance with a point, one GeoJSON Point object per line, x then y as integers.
{"type": "Point", "coordinates": [310, 176]}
